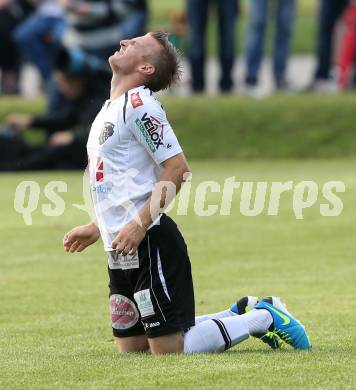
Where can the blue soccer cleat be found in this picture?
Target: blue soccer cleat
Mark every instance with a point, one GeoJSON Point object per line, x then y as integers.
{"type": "Point", "coordinates": [285, 326]}
{"type": "Point", "coordinates": [245, 304]}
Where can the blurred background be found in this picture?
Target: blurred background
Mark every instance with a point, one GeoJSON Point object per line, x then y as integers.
{"type": "Point", "coordinates": [54, 73]}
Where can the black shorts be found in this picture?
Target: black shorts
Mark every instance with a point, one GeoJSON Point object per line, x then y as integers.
{"type": "Point", "coordinates": [153, 294]}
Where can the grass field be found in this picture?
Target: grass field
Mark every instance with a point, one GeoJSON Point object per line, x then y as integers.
{"type": "Point", "coordinates": [54, 324]}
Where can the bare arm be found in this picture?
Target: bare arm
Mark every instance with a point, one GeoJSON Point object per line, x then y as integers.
{"type": "Point", "coordinates": [130, 236]}
{"type": "Point", "coordinates": [173, 173]}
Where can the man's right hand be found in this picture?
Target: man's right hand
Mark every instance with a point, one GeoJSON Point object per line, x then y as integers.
{"type": "Point", "coordinates": [81, 237]}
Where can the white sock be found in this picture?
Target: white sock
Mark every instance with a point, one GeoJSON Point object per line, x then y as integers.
{"type": "Point", "coordinates": [257, 320]}
{"type": "Point", "coordinates": [216, 335]}
{"type": "Point", "coordinates": [216, 316]}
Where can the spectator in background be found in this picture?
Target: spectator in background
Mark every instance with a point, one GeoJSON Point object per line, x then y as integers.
{"type": "Point", "coordinates": [39, 35]}
{"type": "Point", "coordinates": [97, 26]}
{"type": "Point", "coordinates": [330, 12]}
{"type": "Point", "coordinates": [84, 84]}
{"type": "Point", "coordinates": [347, 54]}
{"type": "Point", "coordinates": [197, 23]}
{"type": "Point", "coordinates": [12, 12]}
{"type": "Point", "coordinates": [284, 14]}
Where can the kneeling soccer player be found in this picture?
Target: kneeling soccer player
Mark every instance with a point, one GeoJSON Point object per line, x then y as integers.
{"type": "Point", "coordinates": [132, 151]}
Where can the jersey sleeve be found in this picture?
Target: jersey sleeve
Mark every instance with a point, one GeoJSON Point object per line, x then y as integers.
{"type": "Point", "coordinates": [149, 124]}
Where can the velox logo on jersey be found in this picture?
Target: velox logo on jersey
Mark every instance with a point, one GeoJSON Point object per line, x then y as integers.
{"type": "Point", "coordinates": [106, 132]}
{"type": "Point", "coordinates": [136, 101]}
{"type": "Point", "coordinates": [144, 303]}
{"type": "Point", "coordinates": [145, 135]}
{"type": "Point", "coordinates": [149, 127]}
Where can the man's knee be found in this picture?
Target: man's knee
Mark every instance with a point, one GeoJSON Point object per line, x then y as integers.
{"type": "Point", "coordinates": [172, 343]}
{"type": "Point", "coordinates": [132, 344]}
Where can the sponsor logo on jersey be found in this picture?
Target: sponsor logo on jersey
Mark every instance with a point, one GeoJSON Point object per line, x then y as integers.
{"type": "Point", "coordinates": [106, 132]}
{"type": "Point", "coordinates": [99, 174]}
{"type": "Point", "coordinates": [145, 135]}
{"type": "Point", "coordinates": [152, 130]}
{"type": "Point", "coordinates": [117, 261]}
{"type": "Point", "coordinates": [136, 100]}
{"type": "Point", "coordinates": [100, 189]}
{"type": "Point", "coordinates": [124, 313]}
{"type": "Point", "coordinates": [144, 303]}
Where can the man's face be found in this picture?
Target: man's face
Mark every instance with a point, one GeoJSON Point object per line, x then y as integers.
{"type": "Point", "coordinates": [132, 54]}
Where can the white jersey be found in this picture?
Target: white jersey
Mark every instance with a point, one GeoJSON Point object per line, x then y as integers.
{"type": "Point", "coordinates": [128, 140]}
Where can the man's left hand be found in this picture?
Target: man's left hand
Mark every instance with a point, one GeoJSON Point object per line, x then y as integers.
{"type": "Point", "coordinates": [129, 238]}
